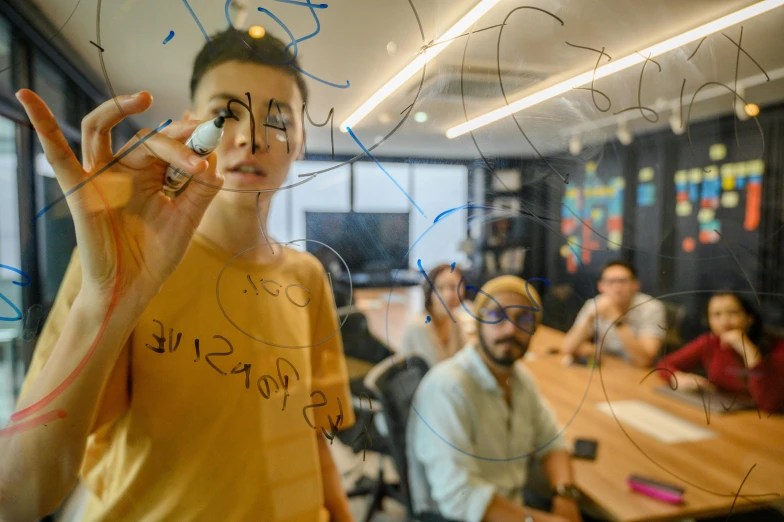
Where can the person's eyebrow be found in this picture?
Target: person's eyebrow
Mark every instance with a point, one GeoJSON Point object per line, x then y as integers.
{"type": "Point", "coordinates": [284, 106]}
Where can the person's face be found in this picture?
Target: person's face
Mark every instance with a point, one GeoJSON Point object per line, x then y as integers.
{"type": "Point", "coordinates": [725, 313]}
{"type": "Point", "coordinates": [446, 284]}
{"type": "Point", "coordinates": [506, 341]}
{"type": "Point", "coordinates": [266, 169]}
{"type": "Point", "coordinates": [618, 284]}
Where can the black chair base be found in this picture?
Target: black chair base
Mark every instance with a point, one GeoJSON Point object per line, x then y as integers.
{"type": "Point", "coordinates": [379, 489]}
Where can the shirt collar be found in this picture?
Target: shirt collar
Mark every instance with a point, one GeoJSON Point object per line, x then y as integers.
{"type": "Point", "coordinates": [475, 366]}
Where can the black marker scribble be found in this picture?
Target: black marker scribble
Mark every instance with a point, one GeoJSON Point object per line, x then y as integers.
{"type": "Point", "coordinates": [564, 178]}
{"type": "Point", "coordinates": [688, 117]}
{"type": "Point", "coordinates": [365, 433]}
{"type": "Point", "coordinates": [639, 93]}
{"type": "Point", "coordinates": [737, 493]}
{"type": "Point", "coordinates": [735, 98]}
{"type": "Point", "coordinates": [98, 46]}
{"type": "Point", "coordinates": [330, 119]}
{"type": "Point", "coordinates": [433, 43]}
{"type": "Point", "coordinates": [680, 101]}
{"type": "Point", "coordinates": [672, 383]}
{"type": "Point", "coordinates": [696, 49]}
{"type": "Point", "coordinates": [593, 77]}
{"type": "Point", "coordinates": [249, 108]}
{"type": "Point", "coordinates": [284, 380]}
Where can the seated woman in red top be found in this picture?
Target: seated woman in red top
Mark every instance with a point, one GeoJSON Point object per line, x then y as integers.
{"type": "Point", "coordinates": [735, 356]}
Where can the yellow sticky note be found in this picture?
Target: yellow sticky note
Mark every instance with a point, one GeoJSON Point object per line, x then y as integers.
{"type": "Point", "coordinates": [730, 199]}
{"type": "Point", "coordinates": [717, 151]}
{"type": "Point", "coordinates": [683, 208]}
{"type": "Point", "coordinates": [695, 176]}
{"type": "Point", "coordinates": [646, 174]}
{"type": "Point", "coordinates": [566, 251]}
{"type": "Point", "coordinates": [740, 169]}
{"type": "Point", "coordinates": [615, 240]}
{"type": "Point", "coordinates": [727, 178]}
{"type": "Point", "coordinates": [705, 215]}
{"type": "Point", "coordinates": [596, 214]}
{"type": "Point", "coordinates": [590, 166]}
{"type": "Point", "coordinates": [681, 176]}
{"type": "Point", "coordinates": [755, 167]}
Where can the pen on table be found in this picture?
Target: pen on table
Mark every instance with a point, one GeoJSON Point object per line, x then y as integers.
{"type": "Point", "coordinates": [205, 139]}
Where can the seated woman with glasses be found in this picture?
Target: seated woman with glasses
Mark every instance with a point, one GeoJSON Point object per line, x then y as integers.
{"type": "Point", "coordinates": [735, 355]}
{"type": "Point", "coordinates": [437, 334]}
{"type": "Point", "coordinates": [622, 320]}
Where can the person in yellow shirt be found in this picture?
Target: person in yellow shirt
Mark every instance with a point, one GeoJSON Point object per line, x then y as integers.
{"type": "Point", "coordinates": [189, 369]}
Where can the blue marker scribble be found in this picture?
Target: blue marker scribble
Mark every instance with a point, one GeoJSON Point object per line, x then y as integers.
{"type": "Point", "coordinates": [453, 265]}
{"type": "Point", "coordinates": [462, 207]}
{"type": "Point", "coordinates": [8, 301]}
{"type": "Point", "coordinates": [168, 38]}
{"type": "Point", "coordinates": [106, 167]}
{"type": "Point", "coordinates": [427, 319]}
{"type": "Point", "coordinates": [432, 286]}
{"type": "Point", "coordinates": [201, 27]}
{"type": "Point", "coordinates": [293, 41]}
{"type": "Point", "coordinates": [369, 155]}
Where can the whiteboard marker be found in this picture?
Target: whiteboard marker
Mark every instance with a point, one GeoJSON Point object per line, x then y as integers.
{"type": "Point", "coordinates": [205, 139]}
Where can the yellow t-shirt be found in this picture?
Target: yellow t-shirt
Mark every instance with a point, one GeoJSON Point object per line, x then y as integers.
{"type": "Point", "coordinates": [192, 424]}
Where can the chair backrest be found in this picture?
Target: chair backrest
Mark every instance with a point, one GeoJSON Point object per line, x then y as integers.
{"type": "Point", "coordinates": [358, 342]}
{"type": "Point", "coordinates": [394, 382]}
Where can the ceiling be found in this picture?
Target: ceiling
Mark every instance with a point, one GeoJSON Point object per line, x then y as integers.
{"type": "Point", "coordinates": [368, 41]}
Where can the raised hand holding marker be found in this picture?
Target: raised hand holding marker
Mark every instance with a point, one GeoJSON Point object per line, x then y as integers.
{"type": "Point", "coordinates": [204, 140]}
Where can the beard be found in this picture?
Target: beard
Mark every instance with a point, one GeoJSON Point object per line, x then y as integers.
{"type": "Point", "coordinates": [508, 359]}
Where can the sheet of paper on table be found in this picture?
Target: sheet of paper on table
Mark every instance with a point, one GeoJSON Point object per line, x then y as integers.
{"type": "Point", "coordinates": [656, 422]}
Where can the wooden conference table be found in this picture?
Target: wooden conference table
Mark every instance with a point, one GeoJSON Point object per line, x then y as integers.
{"type": "Point", "coordinates": [711, 471]}
{"type": "Point", "coordinates": [715, 467]}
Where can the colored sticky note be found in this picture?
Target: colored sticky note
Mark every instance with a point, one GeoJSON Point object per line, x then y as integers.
{"type": "Point", "coordinates": [695, 176]}
{"type": "Point", "coordinates": [681, 177]}
{"type": "Point", "coordinates": [615, 240]}
{"type": "Point", "coordinates": [646, 194]}
{"type": "Point", "coordinates": [597, 215]}
{"type": "Point", "coordinates": [646, 175]}
{"type": "Point", "coordinates": [706, 215]}
{"type": "Point", "coordinates": [717, 151]}
{"type": "Point", "coordinates": [728, 180]}
{"type": "Point", "coordinates": [730, 199]}
{"type": "Point", "coordinates": [683, 208]}
{"type": "Point", "coordinates": [755, 167]}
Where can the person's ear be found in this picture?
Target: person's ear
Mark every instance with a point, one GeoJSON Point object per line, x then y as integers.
{"type": "Point", "coordinates": [637, 285]}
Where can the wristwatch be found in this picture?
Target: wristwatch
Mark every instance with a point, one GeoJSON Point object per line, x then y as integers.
{"type": "Point", "coordinates": [567, 491]}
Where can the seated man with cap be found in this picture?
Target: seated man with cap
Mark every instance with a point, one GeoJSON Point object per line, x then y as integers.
{"type": "Point", "coordinates": [477, 419]}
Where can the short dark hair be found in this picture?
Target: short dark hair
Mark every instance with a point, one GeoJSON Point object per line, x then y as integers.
{"type": "Point", "coordinates": [432, 276]}
{"type": "Point", "coordinates": [620, 262]}
{"type": "Point", "coordinates": [234, 45]}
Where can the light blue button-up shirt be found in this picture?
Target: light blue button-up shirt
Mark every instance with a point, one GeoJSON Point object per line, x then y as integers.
{"type": "Point", "coordinates": [466, 444]}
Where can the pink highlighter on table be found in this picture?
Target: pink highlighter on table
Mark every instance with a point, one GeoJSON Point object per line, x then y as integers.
{"type": "Point", "coordinates": [654, 489]}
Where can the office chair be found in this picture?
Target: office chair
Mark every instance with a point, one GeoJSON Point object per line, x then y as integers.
{"type": "Point", "coordinates": [675, 314]}
{"type": "Point", "coordinates": [360, 343]}
{"type": "Point", "coordinates": [393, 383]}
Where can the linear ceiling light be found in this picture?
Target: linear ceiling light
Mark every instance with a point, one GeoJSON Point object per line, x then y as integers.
{"type": "Point", "coordinates": [614, 67]}
{"type": "Point", "coordinates": [422, 58]}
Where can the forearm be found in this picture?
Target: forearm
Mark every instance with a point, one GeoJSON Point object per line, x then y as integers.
{"type": "Point", "coordinates": [642, 353]}
{"type": "Point", "coordinates": [577, 334]}
{"type": "Point", "coordinates": [558, 467]}
{"type": "Point", "coordinates": [41, 460]}
{"type": "Point", "coordinates": [335, 498]}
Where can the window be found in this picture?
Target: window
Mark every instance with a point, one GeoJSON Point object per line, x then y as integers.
{"type": "Point", "coordinates": [11, 369]}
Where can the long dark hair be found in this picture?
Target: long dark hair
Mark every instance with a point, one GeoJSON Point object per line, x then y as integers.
{"type": "Point", "coordinates": [756, 330]}
{"type": "Point", "coordinates": [432, 275]}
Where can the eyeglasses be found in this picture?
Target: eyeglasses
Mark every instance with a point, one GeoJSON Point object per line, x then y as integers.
{"type": "Point", "coordinates": [520, 316]}
{"type": "Point", "coordinates": [617, 281]}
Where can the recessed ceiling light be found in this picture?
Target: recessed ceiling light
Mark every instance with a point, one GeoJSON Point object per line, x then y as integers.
{"type": "Point", "coordinates": [257, 32]}
{"type": "Point", "coordinates": [420, 117]}
{"type": "Point", "coordinates": [752, 109]}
